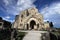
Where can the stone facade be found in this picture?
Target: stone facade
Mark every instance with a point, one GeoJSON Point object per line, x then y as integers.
{"type": "Point", "coordinates": [30, 19]}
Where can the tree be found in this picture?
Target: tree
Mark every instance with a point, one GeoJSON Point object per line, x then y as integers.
{"type": "Point", "coordinates": [51, 24]}
{"type": "Point", "coordinates": [0, 18]}
{"type": "Point", "coordinates": [7, 24]}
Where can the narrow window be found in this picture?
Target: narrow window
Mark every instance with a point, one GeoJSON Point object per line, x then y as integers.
{"type": "Point", "coordinates": [21, 16]}
{"type": "Point", "coordinates": [21, 20]}
{"type": "Point", "coordinates": [27, 13]}
{"type": "Point", "coordinates": [0, 24]}
{"type": "Point", "coordinates": [27, 27]}
{"type": "Point", "coordinates": [20, 24]}
{"type": "Point", "coordinates": [38, 25]}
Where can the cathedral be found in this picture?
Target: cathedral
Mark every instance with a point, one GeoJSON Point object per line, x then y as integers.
{"type": "Point", "coordinates": [30, 19]}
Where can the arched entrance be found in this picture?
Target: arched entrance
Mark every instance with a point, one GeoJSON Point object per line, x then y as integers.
{"type": "Point", "coordinates": [32, 23]}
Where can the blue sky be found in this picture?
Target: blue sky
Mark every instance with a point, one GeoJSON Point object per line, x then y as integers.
{"type": "Point", "coordinates": [49, 8]}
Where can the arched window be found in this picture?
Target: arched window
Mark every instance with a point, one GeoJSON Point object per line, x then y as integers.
{"type": "Point", "coordinates": [21, 24]}
{"type": "Point", "coordinates": [21, 16]}
{"type": "Point", "coordinates": [27, 13]}
{"type": "Point", "coordinates": [38, 25]}
{"type": "Point", "coordinates": [21, 20]}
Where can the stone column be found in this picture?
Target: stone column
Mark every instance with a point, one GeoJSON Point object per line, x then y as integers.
{"type": "Point", "coordinates": [29, 27]}
{"type": "Point", "coordinates": [25, 27]}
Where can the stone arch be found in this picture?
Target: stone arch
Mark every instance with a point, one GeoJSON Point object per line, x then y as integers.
{"type": "Point", "coordinates": [33, 23]}
{"type": "Point", "coordinates": [36, 20]}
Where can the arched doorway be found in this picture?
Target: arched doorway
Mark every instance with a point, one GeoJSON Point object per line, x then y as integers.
{"type": "Point", "coordinates": [32, 23]}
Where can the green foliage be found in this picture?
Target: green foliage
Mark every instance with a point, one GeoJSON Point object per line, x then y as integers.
{"type": "Point", "coordinates": [51, 24]}
{"type": "Point", "coordinates": [56, 33]}
{"type": "Point", "coordinates": [21, 35]}
{"type": "Point", "coordinates": [5, 35]}
{"type": "Point", "coordinates": [0, 18]}
{"type": "Point", "coordinates": [0, 24]}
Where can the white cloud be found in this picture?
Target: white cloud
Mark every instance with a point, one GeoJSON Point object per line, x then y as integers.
{"type": "Point", "coordinates": [24, 4]}
{"type": "Point", "coordinates": [19, 6]}
{"type": "Point", "coordinates": [7, 17]}
{"type": "Point", "coordinates": [46, 20]}
{"type": "Point", "coordinates": [52, 13]}
{"type": "Point", "coordinates": [51, 10]}
{"type": "Point", "coordinates": [6, 2]}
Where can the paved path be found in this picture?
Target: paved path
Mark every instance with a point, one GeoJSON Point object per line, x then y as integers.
{"type": "Point", "coordinates": [33, 35]}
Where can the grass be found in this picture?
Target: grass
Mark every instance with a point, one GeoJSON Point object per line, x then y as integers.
{"type": "Point", "coordinates": [21, 35]}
